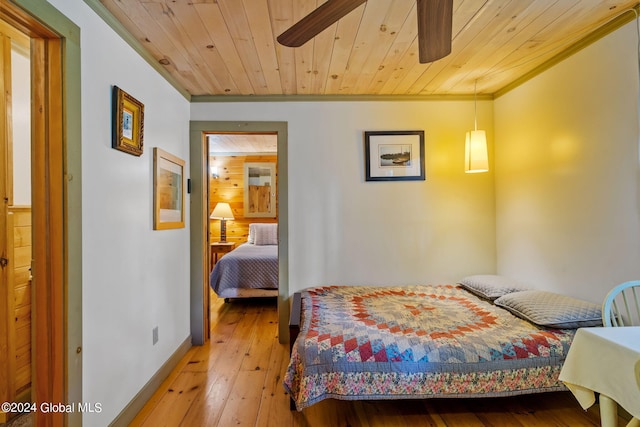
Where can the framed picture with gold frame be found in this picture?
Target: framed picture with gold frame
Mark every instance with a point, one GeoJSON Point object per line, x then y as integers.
{"type": "Point", "coordinates": [127, 122]}
{"type": "Point", "coordinates": [168, 190]}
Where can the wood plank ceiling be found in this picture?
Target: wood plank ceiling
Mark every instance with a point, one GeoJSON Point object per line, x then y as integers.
{"type": "Point", "coordinates": [238, 143]}
{"type": "Point", "coordinates": [229, 47]}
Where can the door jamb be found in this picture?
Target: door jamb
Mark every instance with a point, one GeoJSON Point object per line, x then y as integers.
{"type": "Point", "coordinates": [199, 218]}
{"type": "Point", "coordinates": [59, 38]}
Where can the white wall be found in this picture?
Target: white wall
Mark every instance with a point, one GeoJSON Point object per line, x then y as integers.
{"type": "Point", "coordinates": [567, 173]}
{"type": "Point", "coordinates": [134, 278]}
{"type": "Point", "coordinates": [21, 123]}
{"type": "Point", "coordinates": [343, 230]}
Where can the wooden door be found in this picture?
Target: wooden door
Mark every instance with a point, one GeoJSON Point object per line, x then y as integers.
{"type": "Point", "coordinates": [49, 251]}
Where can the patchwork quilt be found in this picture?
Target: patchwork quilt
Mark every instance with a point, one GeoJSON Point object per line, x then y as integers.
{"type": "Point", "coordinates": [417, 342]}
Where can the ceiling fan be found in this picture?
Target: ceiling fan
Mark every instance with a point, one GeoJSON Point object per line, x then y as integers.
{"type": "Point", "coordinates": [434, 26]}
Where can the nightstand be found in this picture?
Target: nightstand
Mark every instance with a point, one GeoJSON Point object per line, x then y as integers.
{"type": "Point", "coordinates": [218, 249]}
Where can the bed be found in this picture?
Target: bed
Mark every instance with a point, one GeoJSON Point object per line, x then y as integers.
{"type": "Point", "coordinates": [428, 341]}
{"type": "Point", "coordinates": [250, 270]}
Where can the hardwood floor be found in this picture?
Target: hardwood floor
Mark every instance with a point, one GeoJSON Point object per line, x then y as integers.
{"type": "Point", "coordinates": [236, 379]}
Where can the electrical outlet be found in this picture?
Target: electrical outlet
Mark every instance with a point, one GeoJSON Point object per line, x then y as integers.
{"type": "Point", "coordinates": [155, 335]}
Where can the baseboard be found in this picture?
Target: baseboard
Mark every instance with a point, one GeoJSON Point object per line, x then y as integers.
{"type": "Point", "coordinates": [131, 410]}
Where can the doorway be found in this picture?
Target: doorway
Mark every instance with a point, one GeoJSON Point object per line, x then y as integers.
{"type": "Point", "coordinates": [55, 253]}
{"type": "Point", "coordinates": [243, 187]}
{"type": "Point", "coordinates": [200, 209]}
{"type": "Point", "coordinates": [15, 217]}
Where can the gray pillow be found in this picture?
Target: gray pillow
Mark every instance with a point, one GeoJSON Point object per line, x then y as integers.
{"type": "Point", "coordinates": [552, 310]}
{"type": "Point", "coordinates": [266, 234]}
{"type": "Point", "coordinates": [490, 286]}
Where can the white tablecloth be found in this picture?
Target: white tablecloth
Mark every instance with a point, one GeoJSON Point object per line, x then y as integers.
{"type": "Point", "coordinates": [607, 361]}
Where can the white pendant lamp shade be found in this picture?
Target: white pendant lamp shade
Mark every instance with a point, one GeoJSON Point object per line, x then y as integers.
{"type": "Point", "coordinates": [475, 152]}
{"type": "Point", "coordinates": [476, 158]}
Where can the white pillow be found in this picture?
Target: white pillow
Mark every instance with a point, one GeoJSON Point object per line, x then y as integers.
{"type": "Point", "coordinates": [490, 286]}
{"type": "Point", "coordinates": [252, 233]}
{"type": "Point", "coordinates": [265, 234]}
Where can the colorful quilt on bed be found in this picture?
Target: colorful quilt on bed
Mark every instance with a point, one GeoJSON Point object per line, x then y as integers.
{"type": "Point", "coordinates": [417, 342]}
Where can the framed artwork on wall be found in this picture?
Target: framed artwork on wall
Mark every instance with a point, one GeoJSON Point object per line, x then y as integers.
{"type": "Point", "coordinates": [394, 155]}
{"type": "Point", "coordinates": [168, 190]}
{"type": "Point", "coordinates": [260, 190]}
{"type": "Point", "coordinates": [127, 122]}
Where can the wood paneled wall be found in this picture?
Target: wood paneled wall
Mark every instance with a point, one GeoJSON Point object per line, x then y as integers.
{"type": "Point", "coordinates": [22, 297]}
{"type": "Point", "coordinates": [229, 187]}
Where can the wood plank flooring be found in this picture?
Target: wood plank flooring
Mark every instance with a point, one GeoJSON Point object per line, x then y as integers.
{"type": "Point", "coordinates": [236, 380]}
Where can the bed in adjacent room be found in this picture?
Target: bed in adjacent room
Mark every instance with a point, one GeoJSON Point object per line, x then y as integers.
{"type": "Point", "coordinates": [250, 270]}
{"type": "Point", "coordinates": [430, 341]}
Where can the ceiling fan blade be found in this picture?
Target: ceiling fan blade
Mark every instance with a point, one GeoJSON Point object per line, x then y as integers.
{"type": "Point", "coordinates": [434, 29]}
{"type": "Point", "coordinates": [318, 20]}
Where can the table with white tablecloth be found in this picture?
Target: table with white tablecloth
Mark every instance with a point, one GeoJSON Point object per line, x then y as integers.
{"type": "Point", "coordinates": [605, 361]}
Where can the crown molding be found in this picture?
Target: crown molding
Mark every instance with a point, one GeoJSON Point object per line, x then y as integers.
{"type": "Point", "coordinates": [335, 98]}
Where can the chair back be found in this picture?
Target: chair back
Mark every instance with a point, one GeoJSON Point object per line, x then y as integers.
{"type": "Point", "coordinates": [621, 306]}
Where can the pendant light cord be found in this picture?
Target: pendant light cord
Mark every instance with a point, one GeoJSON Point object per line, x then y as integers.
{"type": "Point", "coordinates": [635, 10]}
{"type": "Point", "coordinates": [475, 105]}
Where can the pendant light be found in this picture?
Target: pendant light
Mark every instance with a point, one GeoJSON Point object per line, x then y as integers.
{"type": "Point", "coordinates": [475, 147]}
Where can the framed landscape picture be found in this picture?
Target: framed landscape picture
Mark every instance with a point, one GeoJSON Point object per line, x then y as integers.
{"type": "Point", "coordinates": [168, 190]}
{"type": "Point", "coordinates": [394, 155]}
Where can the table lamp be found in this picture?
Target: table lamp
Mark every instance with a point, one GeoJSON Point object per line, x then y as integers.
{"type": "Point", "coordinates": [222, 211]}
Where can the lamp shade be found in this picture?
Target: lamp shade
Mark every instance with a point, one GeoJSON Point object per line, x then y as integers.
{"type": "Point", "coordinates": [222, 211]}
{"type": "Point", "coordinates": [475, 156]}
